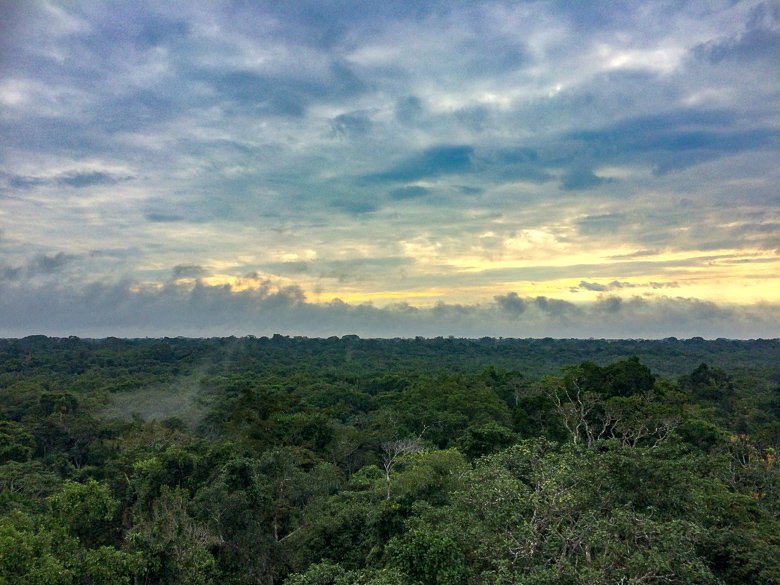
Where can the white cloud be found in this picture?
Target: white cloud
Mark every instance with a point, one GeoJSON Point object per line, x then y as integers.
{"type": "Point", "coordinates": [247, 136]}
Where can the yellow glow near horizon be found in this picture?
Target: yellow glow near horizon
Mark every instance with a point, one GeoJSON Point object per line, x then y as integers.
{"type": "Point", "coordinates": [726, 275]}
{"type": "Point", "coordinates": [383, 296]}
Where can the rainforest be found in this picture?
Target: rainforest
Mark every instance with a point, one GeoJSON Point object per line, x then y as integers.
{"type": "Point", "coordinates": [298, 461]}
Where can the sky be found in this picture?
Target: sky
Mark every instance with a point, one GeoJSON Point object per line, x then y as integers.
{"type": "Point", "coordinates": [390, 169]}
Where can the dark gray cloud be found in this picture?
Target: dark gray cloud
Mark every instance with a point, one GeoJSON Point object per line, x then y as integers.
{"type": "Point", "coordinates": [48, 264]}
{"type": "Point", "coordinates": [432, 162]}
{"type": "Point", "coordinates": [593, 286]}
{"type": "Point", "coordinates": [555, 307]}
{"type": "Point", "coordinates": [41, 264]}
{"type": "Point", "coordinates": [483, 144]}
{"type": "Point", "coordinates": [753, 44]}
{"type": "Point", "coordinates": [619, 284]}
{"type": "Point", "coordinates": [609, 305]}
{"type": "Point", "coordinates": [513, 163]}
{"type": "Point", "coordinates": [187, 271]}
{"type": "Point", "coordinates": [75, 179]}
{"type": "Point", "coordinates": [760, 40]}
{"type": "Point", "coordinates": [675, 140]}
{"type": "Point", "coordinates": [200, 310]}
{"type": "Point", "coordinates": [511, 303]}
{"type": "Point", "coordinates": [580, 178]}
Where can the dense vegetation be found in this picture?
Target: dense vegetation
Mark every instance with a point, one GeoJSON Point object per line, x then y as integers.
{"type": "Point", "coordinates": [343, 461]}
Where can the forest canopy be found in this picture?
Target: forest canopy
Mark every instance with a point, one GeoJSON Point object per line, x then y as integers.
{"type": "Point", "coordinates": [297, 461]}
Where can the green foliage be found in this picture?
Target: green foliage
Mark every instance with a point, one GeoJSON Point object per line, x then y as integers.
{"type": "Point", "coordinates": [40, 550]}
{"type": "Point", "coordinates": [16, 443]}
{"type": "Point", "coordinates": [479, 440]}
{"type": "Point", "coordinates": [87, 511]}
{"type": "Point", "coordinates": [388, 462]}
{"type": "Point", "coordinates": [333, 574]}
{"type": "Point", "coordinates": [428, 557]}
{"type": "Point", "coordinates": [34, 553]}
{"type": "Point", "coordinates": [175, 548]}
{"type": "Point", "coordinates": [26, 484]}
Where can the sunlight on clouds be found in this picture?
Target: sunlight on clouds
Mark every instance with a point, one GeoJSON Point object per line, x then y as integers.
{"type": "Point", "coordinates": [32, 98]}
{"type": "Point", "coordinates": [420, 298]}
{"type": "Point", "coordinates": [422, 248]}
{"type": "Point", "coordinates": [298, 256]}
{"type": "Point", "coordinates": [15, 92]}
{"type": "Point", "coordinates": [711, 97]}
{"type": "Point", "coordinates": [662, 60]}
{"type": "Point", "coordinates": [393, 155]}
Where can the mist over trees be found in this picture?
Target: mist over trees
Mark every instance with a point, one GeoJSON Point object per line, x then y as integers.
{"type": "Point", "coordinates": [344, 461]}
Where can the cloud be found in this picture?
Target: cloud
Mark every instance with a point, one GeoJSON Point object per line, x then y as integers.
{"type": "Point", "coordinates": [126, 309]}
{"type": "Point", "coordinates": [432, 162]}
{"type": "Point", "coordinates": [410, 192]}
{"type": "Point", "coordinates": [19, 182]}
{"type": "Point", "coordinates": [637, 254]}
{"type": "Point", "coordinates": [158, 217]}
{"type": "Point", "coordinates": [760, 40]}
{"type": "Point", "coordinates": [594, 286]}
{"type": "Point", "coordinates": [75, 179]}
{"type": "Point", "coordinates": [86, 179]}
{"type": "Point", "coordinates": [579, 179]}
{"type": "Point", "coordinates": [512, 164]}
{"type": "Point", "coordinates": [555, 307]}
{"type": "Point", "coordinates": [286, 92]}
{"type": "Point", "coordinates": [409, 109]}
{"type": "Point", "coordinates": [488, 144]}
{"type": "Point", "coordinates": [271, 95]}
{"type": "Point", "coordinates": [474, 118]}
{"type": "Point", "coordinates": [618, 285]}
{"type": "Point", "coordinates": [357, 205]}
{"type": "Point", "coordinates": [351, 124]}
{"type": "Point", "coordinates": [598, 224]}
{"type": "Point", "coordinates": [48, 264]}
{"type": "Point", "coordinates": [11, 273]}
{"type": "Point", "coordinates": [674, 140]}
{"type": "Point", "coordinates": [187, 271]}
{"type": "Point", "coordinates": [609, 304]}
{"type": "Point", "coordinates": [511, 303]}
{"type": "Point", "coordinates": [358, 269]}
{"type": "Point", "coordinates": [39, 265]}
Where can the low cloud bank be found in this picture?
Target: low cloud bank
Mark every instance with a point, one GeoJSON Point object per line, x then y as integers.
{"type": "Point", "coordinates": [126, 309]}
